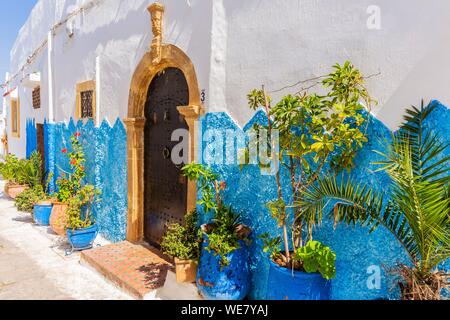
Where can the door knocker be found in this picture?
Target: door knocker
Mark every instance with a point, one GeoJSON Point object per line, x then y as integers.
{"type": "Point", "coordinates": [166, 153]}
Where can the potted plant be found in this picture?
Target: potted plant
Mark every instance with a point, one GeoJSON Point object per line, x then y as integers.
{"type": "Point", "coordinates": [43, 205]}
{"type": "Point", "coordinates": [34, 199]}
{"type": "Point", "coordinates": [182, 243]}
{"type": "Point", "coordinates": [319, 134]}
{"type": "Point", "coordinates": [68, 185]}
{"type": "Point", "coordinates": [223, 272]}
{"type": "Point", "coordinates": [416, 210]}
{"type": "Point", "coordinates": [12, 172]}
{"type": "Point", "coordinates": [80, 226]}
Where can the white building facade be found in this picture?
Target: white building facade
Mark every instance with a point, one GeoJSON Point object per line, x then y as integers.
{"type": "Point", "coordinates": [224, 48]}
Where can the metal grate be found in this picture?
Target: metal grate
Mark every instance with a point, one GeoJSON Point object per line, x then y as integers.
{"type": "Point", "coordinates": [37, 98]}
{"type": "Point", "coordinates": [86, 104]}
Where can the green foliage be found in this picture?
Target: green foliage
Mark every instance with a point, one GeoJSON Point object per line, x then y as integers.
{"type": "Point", "coordinates": [73, 191]}
{"type": "Point", "coordinates": [9, 169]}
{"type": "Point", "coordinates": [69, 183]}
{"type": "Point", "coordinates": [206, 180]}
{"type": "Point", "coordinates": [418, 211]}
{"type": "Point", "coordinates": [226, 230]}
{"type": "Point", "coordinates": [223, 238]}
{"type": "Point", "coordinates": [318, 134]}
{"type": "Point", "coordinates": [31, 170]}
{"type": "Point", "coordinates": [26, 200]}
{"type": "Point", "coordinates": [79, 208]}
{"type": "Point", "coordinates": [315, 257]}
{"type": "Point", "coordinates": [23, 171]}
{"type": "Point", "coordinates": [271, 245]}
{"type": "Point", "coordinates": [183, 241]}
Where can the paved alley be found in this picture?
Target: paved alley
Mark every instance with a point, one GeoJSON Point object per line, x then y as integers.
{"type": "Point", "coordinates": [33, 265]}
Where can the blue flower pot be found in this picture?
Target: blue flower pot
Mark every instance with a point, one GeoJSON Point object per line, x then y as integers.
{"type": "Point", "coordinates": [82, 239]}
{"type": "Point", "coordinates": [283, 285]}
{"type": "Point", "coordinates": [229, 283]}
{"type": "Point", "coordinates": [42, 213]}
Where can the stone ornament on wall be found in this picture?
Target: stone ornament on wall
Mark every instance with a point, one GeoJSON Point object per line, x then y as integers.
{"type": "Point", "coordinates": [157, 14]}
{"type": "Point", "coordinates": [160, 57]}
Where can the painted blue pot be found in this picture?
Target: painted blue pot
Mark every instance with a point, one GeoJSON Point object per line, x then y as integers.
{"type": "Point", "coordinates": [229, 283]}
{"type": "Point", "coordinates": [82, 239]}
{"type": "Point", "coordinates": [283, 285]}
{"type": "Point", "coordinates": [42, 213]}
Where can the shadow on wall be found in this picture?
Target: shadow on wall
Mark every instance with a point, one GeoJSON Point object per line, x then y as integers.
{"type": "Point", "coordinates": [361, 257]}
{"type": "Point", "coordinates": [106, 168]}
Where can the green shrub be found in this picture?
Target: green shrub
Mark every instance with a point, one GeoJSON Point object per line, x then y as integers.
{"type": "Point", "coordinates": [226, 230]}
{"type": "Point", "coordinates": [9, 169]}
{"type": "Point", "coordinates": [23, 171]}
{"type": "Point", "coordinates": [315, 257]}
{"type": "Point", "coordinates": [26, 200]}
{"type": "Point", "coordinates": [183, 241]}
{"type": "Point", "coordinates": [222, 234]}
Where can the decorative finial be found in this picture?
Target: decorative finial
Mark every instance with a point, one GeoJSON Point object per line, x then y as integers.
{"type": "Point", "coordinates": [157, 14]}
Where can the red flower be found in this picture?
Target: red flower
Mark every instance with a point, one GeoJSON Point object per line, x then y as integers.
{"type": "Point", "coordinates": [64, 150]}
{"type": "Point", "coordinates": [77, 134]}
{"type": "Point", "coordinates": [73, 162]}
{"type": "Point", "coordinates": [223, 185]}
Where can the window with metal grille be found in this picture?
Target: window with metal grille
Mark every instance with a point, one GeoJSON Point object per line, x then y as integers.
{"type": "Point", "coordinates": [85, 100]}
{"type": "Point", "coordinates": [37, 98]}
{"type": "Point", "coordinates": [87, 104]}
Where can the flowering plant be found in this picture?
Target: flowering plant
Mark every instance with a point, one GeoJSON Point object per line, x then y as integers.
{"type": "Point", "coordinates": [73, 191]}
{"type": "Point", "coordinates": [70, 183]}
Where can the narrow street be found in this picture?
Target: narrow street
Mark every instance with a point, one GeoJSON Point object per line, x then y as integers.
{"type": "Point", "coordinates": [33, 265]}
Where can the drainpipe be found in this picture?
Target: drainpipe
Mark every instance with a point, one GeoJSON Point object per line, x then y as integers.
{"type": "Point", "coordinates": [97, 91]}
{"type": "Point", "coordinates": [51, 110]}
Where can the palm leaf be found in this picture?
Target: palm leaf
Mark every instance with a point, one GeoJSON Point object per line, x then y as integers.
{"type": "Point", "coordinates": [418, 210]}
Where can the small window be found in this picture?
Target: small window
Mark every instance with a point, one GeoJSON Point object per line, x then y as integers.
{"type": "Point", "coordinates": [37, 98]}
{"type": "Point", "coordinates": [86, 100]}
{"type": "Point", "coordinates": [15, 117]}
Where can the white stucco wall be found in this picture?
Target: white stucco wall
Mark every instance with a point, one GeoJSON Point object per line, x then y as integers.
{"type": "Point", "coordinates": [238, 45]}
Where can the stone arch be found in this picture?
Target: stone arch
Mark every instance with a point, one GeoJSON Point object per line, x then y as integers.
{"type": "Point", "coordinates": [147, 69]}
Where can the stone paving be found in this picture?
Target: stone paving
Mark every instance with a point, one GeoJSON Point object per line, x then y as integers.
{"type": "Point", "coordinates": [33, 265]}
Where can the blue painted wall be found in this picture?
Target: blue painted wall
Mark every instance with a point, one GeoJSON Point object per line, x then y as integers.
{"type": "Point", "coordinates": [106, 168]}
{"type": "Point", "coordinates": [31, 137]}
{"type": "Point", "coordinates": [248, 191]}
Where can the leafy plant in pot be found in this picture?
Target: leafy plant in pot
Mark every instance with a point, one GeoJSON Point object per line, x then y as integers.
{"type": "Point", "coordinates": [416, 210]}
{"type": "Point", "coordinates": [34, 199]}
{"type": "Point", "coordinates": [319, 134]}
{"type": "Point", "coordinates": [21, 174]}
{"type": "Point", "coordinates": [223, 272]}
{"type": "Point", "coordinates": [80, 226]}
{"type": "Point", "coordinates": [69, 185]}
{"type": "Point", "coordinates": [182, 243]}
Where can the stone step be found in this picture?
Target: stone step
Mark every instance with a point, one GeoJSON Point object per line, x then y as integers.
{"type": "Point", "coordinates": [139, 270]}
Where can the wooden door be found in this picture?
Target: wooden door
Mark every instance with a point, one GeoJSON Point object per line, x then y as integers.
{"type": "Point", "coordinates": [165, 190]}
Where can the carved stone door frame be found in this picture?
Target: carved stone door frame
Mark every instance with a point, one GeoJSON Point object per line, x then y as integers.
{"type": "Point", "coordinates": [160, 57]}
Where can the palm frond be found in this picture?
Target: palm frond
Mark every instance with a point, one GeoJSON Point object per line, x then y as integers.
{"type": "Point", "coordinates": [418, 210]}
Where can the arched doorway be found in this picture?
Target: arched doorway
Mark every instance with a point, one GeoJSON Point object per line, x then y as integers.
{"type": "Point", "coordinates": [146, 71]}
{"type": "Point", "coordinates": [165, 189]}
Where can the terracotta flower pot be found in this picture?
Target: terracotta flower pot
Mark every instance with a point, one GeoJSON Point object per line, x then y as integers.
{"type": "Point", "coordinates": [186, 270]}
{"type": "Point", "coordinates": [13, 190]}
{"type": "Point", "coordinates": [58, 218]}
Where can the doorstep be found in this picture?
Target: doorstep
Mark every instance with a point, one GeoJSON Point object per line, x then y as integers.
{"type": "Point", "coordinates": [139, 270]}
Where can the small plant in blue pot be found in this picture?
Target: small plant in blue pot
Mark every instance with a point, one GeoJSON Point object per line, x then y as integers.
{"type": "Point", "coordinates": [309, 135]}
{"type": "Point", "coordinates": [223, 271]}
{"type": "Point", "coordinates": [78, 221]}
{"type": "Point", "coordinates": [80, 226]}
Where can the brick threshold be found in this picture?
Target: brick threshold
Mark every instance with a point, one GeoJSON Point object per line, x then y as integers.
{"type": "Point", "coordinates": [121, 264]}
